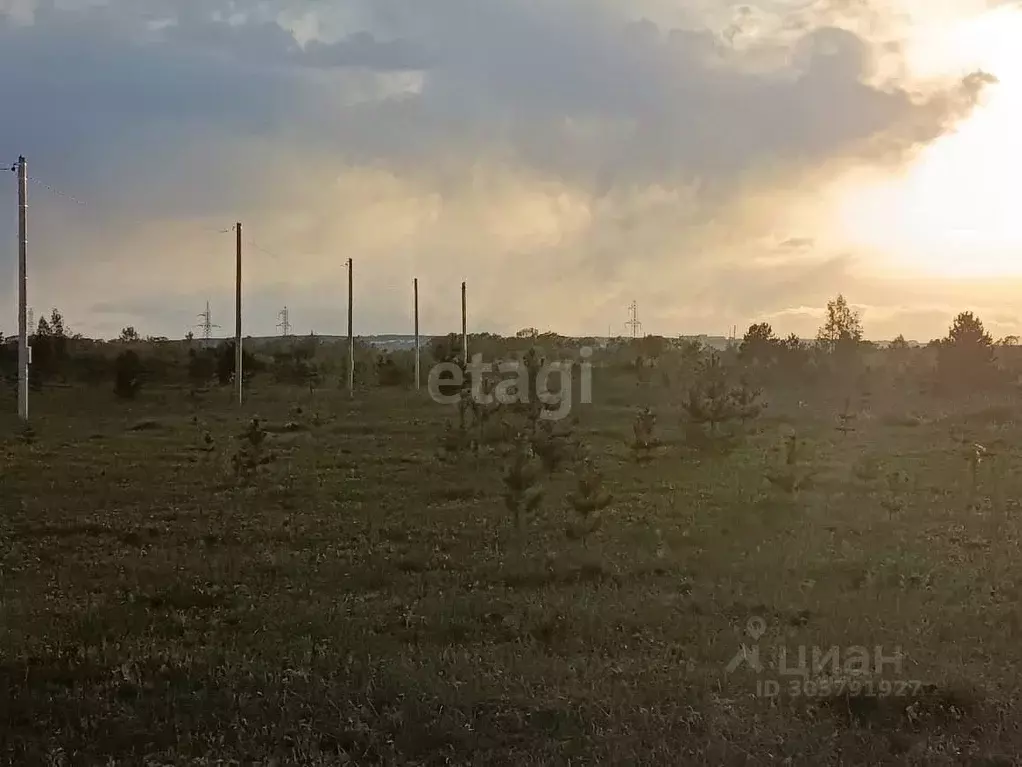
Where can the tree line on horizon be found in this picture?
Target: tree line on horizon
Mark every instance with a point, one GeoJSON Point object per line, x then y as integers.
{"type": "Point", "coordinates": [967, 357]}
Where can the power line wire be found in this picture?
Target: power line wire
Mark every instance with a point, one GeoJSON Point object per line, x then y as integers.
{"type": "Point", "coordinates": [264, 250]}
{"type": "Point", "coordinates": [57, 192]}
{"type": "Point", "coordinates": [271, 253]}
{"type": "Point", "coordinates": [53, 190]}
{"type": "Point", "coordinates": [14, 168]}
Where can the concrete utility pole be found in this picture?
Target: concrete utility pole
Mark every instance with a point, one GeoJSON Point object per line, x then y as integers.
{"type": "Point", "coordinates": [351, 334]}
{"type": "Point", "coordinates": [23, 350]}
{"type": "Point", "coordinates": [464, 326]}
{"type": "Point", "coordinates": [415, 286]}
{"type": "Point", "coordinates": [238, 373]}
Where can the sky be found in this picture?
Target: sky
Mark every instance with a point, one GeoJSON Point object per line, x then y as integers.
{"type": "Point", "coordinates": [719, 163]}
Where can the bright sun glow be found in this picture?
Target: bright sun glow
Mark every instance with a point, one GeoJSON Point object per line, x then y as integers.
{"type": "Point", "coordinates": [957, 211]}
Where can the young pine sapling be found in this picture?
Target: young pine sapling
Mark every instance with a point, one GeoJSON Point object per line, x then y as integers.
{"type": "Point", "coordinates": [792, 476]}
{"type": "Point", "coordinates": [893, 500]}
{"type": "Point", "coordinates": [553, 443]}
{"type": "Point", "coordinates": [455, 441]}
{"type": "Point", "coordinates": [251, 453]}
{"type": "Point", "coordinates": [747, 404]}
{"type": "Point", "coordinates": [644, 442]}
{"type": "Point", "coordinates": [718, 415]}
{"type": "Point", "coordinates": [974, 456]}
{"type": "Point", "coordinates": [27, 433]}
{"type": "Point", "coordinates": [846, 418]}
{"type": "Point", "coordinates": [522, 489]}
{"type": "Point", "coordinates": [588, 500]}
{"type": "Point", "coordinates": [206, 443]}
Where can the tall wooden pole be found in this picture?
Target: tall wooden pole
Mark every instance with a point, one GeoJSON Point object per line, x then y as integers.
{"type": "Point", "coordinates": [464, 326]}
{"type": "Point", "coordinates": [23, 351]}
{"type": "Point", "coordinates": [351, 335]}
{"type": "Point", "coordinates": [415, 285]}
{"type": "Point", "coordinates": [238, 372]}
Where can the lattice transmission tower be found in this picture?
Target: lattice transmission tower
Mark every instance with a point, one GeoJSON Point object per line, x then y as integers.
{"type": "Point", "coordinates": [285, 323]}
{"type": "Point", "coordinates": [633, 319]}
{"type": "Point", "coordinates": [207, 324]}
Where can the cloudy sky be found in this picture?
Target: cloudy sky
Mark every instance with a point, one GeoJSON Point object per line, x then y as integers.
{"type": "Point", "coordinates": [719, 163]}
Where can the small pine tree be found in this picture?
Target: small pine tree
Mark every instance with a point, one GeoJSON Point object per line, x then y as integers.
{"type": "Point", "coordinates": [747, 404]}
{"type": "Point", "coordinates": [965, 358]}
{"type": "Point", "coordinates": [588, 500]}
{"type": "Point", "coordinates": [472, 419]}
{"type": "Point", "coordinates": [792, 476]}
{"type": "Point", "coordinates": [644, 441]}
{"type": "Point", "coordinates": [455, 441]}
{"type": "Point", "coordinates": [975, 454]}
{"type": "Point", "coordinates": [528, 403]}
{"type": "Point", "coordinates": [27, 433]}
{"type": "Point", "coordinates": [846, 418]}
{"type": "Point", "coordinates": [251, 453]}
{"type": "Point", "coordinates": [718, 416]}
{"type": "Point", "coordinates": [533, 364]}
{"type": "Point", "coordinates": [312, 377]}
{"type": "Point", "coordinates": [484, 410]}
{"type": "Point", "coordinates": [553, 444]}
{"type": "Point", "coordinates": [893, 500]}
{"type": "Point", "coordinates": [522, 491]}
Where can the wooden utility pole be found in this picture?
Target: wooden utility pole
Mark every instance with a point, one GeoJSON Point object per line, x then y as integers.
{"type": "Point", "coordinates": [351, 335]}
{"type": "Point", "coordinates": [238, 372]}
{"type": "Point", "coordinates": [464, 326]}
{"type": "Point", "coordinates": [23, 351]}
{"type": "Point", "coordinates": [415, 286]}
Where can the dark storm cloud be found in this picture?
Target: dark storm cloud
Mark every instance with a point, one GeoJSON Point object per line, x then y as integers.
{"type": "Point", "coordinates": [564, 88]}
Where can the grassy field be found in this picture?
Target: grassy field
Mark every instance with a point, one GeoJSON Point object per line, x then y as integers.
{"type": "Point", "coordinates": [361, 602]}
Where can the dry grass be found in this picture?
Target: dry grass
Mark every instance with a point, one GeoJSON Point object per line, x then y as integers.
{"type": "Point", "coordinates": [357, 601]}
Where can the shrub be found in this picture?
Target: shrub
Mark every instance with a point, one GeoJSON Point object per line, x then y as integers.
{"type": "Point", "coordinates": [390, 372]}
{"type": "Point", "coordinates": [225, 363]}
{"type": "Point", "coordinates": [445, 348]}
{"type": "Point", "coordinates": [201, 367]}
{"type": "Point", "coordinates": [128, 373]}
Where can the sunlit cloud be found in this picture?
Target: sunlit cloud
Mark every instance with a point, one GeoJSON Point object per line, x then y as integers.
{"type": "Point", "coordinates": [564, 160]}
